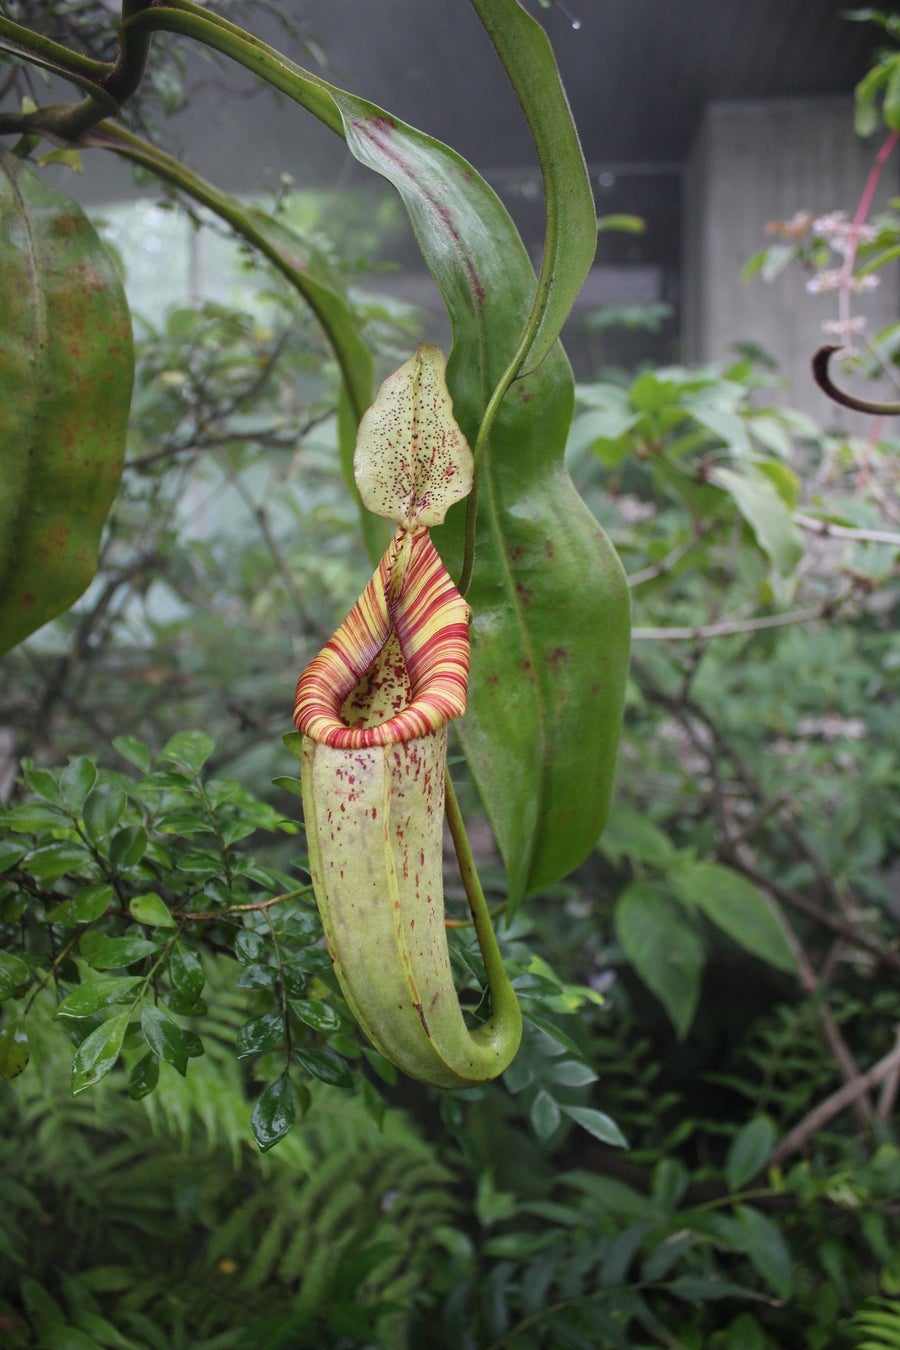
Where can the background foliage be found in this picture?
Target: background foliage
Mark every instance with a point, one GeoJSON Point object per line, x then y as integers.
{"type": "Point", "coordinates": [716, 984]}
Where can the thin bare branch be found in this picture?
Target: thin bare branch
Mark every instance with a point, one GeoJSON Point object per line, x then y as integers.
{"type": "Point", "coordinates": [828, 530]}
{"type": "Point", "coordinates": [728, 627]}
{"type": "Point", "coordinates": [851, 1092]}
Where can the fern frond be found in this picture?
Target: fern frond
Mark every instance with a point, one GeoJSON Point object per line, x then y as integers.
{"type": "Point", "coordinates": [879, 1321]}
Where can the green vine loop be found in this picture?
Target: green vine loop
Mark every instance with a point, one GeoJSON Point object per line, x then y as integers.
{"type": "Point", "coordinates": [191, 20]}
{"type": "Point", "coordinates": [108, 85]}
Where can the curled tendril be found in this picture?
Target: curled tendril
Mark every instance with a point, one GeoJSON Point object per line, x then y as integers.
{"type": "Point", "coordinates": [823, 379]}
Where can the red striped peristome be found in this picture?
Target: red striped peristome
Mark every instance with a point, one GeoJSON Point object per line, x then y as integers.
{"type": "Point", "coordinates": [398, 666]}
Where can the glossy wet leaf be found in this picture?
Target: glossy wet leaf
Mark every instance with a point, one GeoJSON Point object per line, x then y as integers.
{"type": "Point", "coordinates": [152, 910]}
{"type": "Point", "coordinates": [86, 904]}
{"type": "Point", "coordinates": [112, 953]}
{"type": "Point", "coordinates": [143, 1077]}
{"type": "Point", "coordinates": [15, 974]}
{"type": "Point", "coordinates": [188, 749]}
{"type": "Point", "coordinates": [75, 782]}
{"type": "Point", "coordinates": [320, 1016]}
{"type": "Point", "coordinates": [49, 862]}
{"type": "Point", "coordinates": [169, 1041]}
{"type": "Point", "coordinates": [95, 995]}
{"type": "Point", "coordinates": [274, 1113]}
{"type": "Point", "coordinates": [259, 1034]}
{"type": "Point", "coordinates": [97, 1054]}
{"type": "Point", "coordinates": [66, 368]}
{"type": "Point", "coordinates": [128, 846]}
{"type": "Point", "coordinates": [103, 811]}
{"type": "Point", "coordinates": [14, 1049]}
{"type": "Point", "coordinates": [326, 1066]}
{"type": "Point", "coordinates": [186, 972]}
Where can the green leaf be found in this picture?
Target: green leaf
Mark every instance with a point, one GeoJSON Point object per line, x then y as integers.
{"type": "Point", "coordinates": [570, 240]}
{"type": "Point", "coordinates": [112, 953]}
{"type": "Point", "coordinates": [749, 1152]}
{"type": "Point", "coordinates": [622, 222]}
{"type": "Point", "coordinates": [15, 975]}
{"type": "Point", "coordinates": [86, 904]}
{"type": "Point", "coordinates": [14, 1049]}
{"type": "Point", "coordinates": [128, 847]}
{"type": "Point", "coordinates": [75, 782]}
{"type": "Point", "coordinates": [319, 1016]}
{"type": "Point", "coordinates": [761, 1241]}
{"type": "Point", "coordinates": [890, 108]}
{"type": "Point", "coordinates": [250, 946]}
{"type": "Point", "coordinates": [143, 1077]}
{"type": "Point", "coordinates": [257, 976]}
{"type": "Point", "coordinates": [135, 751]}
{"type": "Point", "coordinates": [43, 784]}
{"type": "Point", "coordinates": [326, 1066]}
{"type": "Point", "coordinates": [629, 834]}
{"type": "Point", "coordinates": [11, 852]}
{"type": "Point", "coordinates": [274, 1113]}
{"type": "Point", "coordinates": [288, 784]}
{"type": "Point", "coordinates": [152, 910]}
{"type": "Point", "coordinates": [569, 1073]}
{"type": "Point", "coordinates": [259, 1034]}
{"type": "Point", "coordinates": [98, 1052]}
{"type": "Point", "coordinates": [52, 861]}
{"type": "Point", "coordinates": [66, 368]}
{"type": "Point", "coordinates": [544, 1115]}
{"type": "Point", "coordinates": [186, 972]}
{"type": "Point", "coordinates": [168, 1040]}
{"type": "Point", "coordinates": [188, 749]}
{"type": "Point", "coordinates": [596, 1124]}
{"type": "Point", "coordinates": [103, 811]}
{"type": "Point", "coordinates": [698, 1288]}
{"type": "Point", "coordinates": [664, 949]}
{"type": "Point", "coordinates": [765, 511]}
{"type": "Point", "coordinates": [33, 817]}
{"type": "Point", "coordinates": [67, 1338]}
{"type": "Point", "coordinates": [94, 995]}
{"type": "Point", "coordinates": [735, 905]}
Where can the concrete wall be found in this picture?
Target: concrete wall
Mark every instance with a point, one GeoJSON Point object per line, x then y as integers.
{"type": "Point", "coordinates": [755, 162]}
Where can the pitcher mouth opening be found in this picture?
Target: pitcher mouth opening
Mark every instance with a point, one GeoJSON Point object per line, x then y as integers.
{"type": "Point", "coordinates": [398, 666]}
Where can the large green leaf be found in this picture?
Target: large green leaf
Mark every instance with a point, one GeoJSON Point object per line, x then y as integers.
{"type": "Point", "coordinates": [550, 605]}
{"type": "Point", "coordinates": [66, 368]}
{"type": "Point", "coordinates": [735, 906]}
{"type": "Point", "coordinates": [571, 231]}
{"type": "Point", "coordinates": [664, 949]}
{"type": "Point", "coordinates": [551, 611]}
